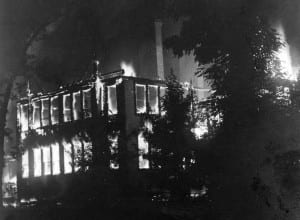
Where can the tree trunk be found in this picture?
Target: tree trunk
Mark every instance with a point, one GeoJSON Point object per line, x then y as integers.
{"type": "Point", "coordinates": [3, 113]}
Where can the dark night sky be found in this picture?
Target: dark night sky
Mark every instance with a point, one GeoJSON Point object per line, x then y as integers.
{"type": "Point", "coordinates": [285, 11]}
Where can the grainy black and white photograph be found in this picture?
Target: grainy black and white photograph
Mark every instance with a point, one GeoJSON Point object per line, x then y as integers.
{"type": "Point", "coordinates": [150, 109]}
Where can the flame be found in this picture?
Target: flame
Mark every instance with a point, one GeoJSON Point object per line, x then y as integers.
{"type": "Point", "coordinates": [128, 69]}
{"type": "Point", "coordinates": [285, 56]}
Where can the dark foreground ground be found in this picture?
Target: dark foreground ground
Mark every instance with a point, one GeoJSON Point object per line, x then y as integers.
{"type": "Point", "coordinates": [127, 210]}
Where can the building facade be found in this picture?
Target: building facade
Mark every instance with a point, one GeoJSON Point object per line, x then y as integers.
{"type": "Point", "coordinates": [60, 132]}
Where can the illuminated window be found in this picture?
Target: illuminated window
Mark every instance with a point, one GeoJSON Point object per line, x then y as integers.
{"type": "Point", "coordinates": [54, 110]}
{"type": "Point", "coordinates": [46, 160]}
{"type": "Point", "coordinates": [200, 129]}
{"type": "Point", "coordinates": [67, 107]}
{"type": "Point", "coordinates": [67, 157]}
{"type": "Point", "coordinates": [45, 112]}
{"type": "Point", "coordinates": [24, 117]}
{"type": "Point", "coordinates": [87, 103]}
{"type": "Point", "coordinates": [153, 99]}
{"type": "Point", "coordinates": [99, 95]}
{"type": "Point", "coordinates": [162, 93]}
{"type": "Point", "coordinates": [143, 148]}
{"type": "Point", "coordinates": [114, 152]}
{"type": "Point", "coordinates": [77, 152]}
{"type": "Point", "coordinates": [87, 152]}
{"type": "Point", "coordinates": [76, 105]}
{"type": "Point", "coordinates": [36, 119]}
{"type": "Point", "coordinates": [37, 162]}
{"type": "Point", "coordinates": [112, 100]}
{"type": "Point", "coordinates": [55, 159]}
{"type": "Point", "coordinates": [25, 165]}
{"type": "Point", "coordinates": [140, 93]}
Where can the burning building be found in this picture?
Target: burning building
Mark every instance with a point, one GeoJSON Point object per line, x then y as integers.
{"type": "Point", "coordinates": [59, 132]}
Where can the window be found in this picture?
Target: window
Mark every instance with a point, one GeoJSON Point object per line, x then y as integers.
{"type": "Point", "coordinates": [99, 95]}
{"type": "Point", "coordinates": [36, 119]}
{"type": "Point", "coordinates": [140, 92]}
{"type": "Point", "coordinates": [153, 99]}
{"type": "Point", "coordinates": [87, 152]}
{"type": "Point", "coordinates": [25, 165]}
{"type": "Point", "coordinates": [114, 152]}
{"type": "Point", "coordinates": [162, 91]}
{"type": "Point", "coordinates": [55, 159]}
{"type": "Point", "coordinates": [54, 110]}
{"type": "Point", "coordinates": [67, 107]}
{"type": "Point", "coordinates": [112, 100]}
{"type": "Point", "coordinates": [68, 157]}
{"type": "Point", "coordinates": [143, 148]}
{"type": "Point", "coordinates": [76, 105]}
{"type": "Point", "coordinates": [77, 152]}
{"type": "Point", "coordinates": [46, 160]}
{"type": "Point", "coordinates": [23, 120]}
{"type": "Point", "coordinates": [37, 162]}
{"type": "Point", "coordinates": [45, 112]}
{"type": "Point", "coordinates": [87, 103]}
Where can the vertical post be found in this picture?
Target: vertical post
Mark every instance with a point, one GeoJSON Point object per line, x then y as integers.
{"type": "Point", "coordinates": [159, 49]}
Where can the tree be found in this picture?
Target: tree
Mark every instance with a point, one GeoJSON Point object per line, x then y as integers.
{"type": "Point", "coordinates": [235, 47]}
{"type": "Point", "coordinates": [173, 145]}
{"type": "Point", "coordinates": [22, 24]}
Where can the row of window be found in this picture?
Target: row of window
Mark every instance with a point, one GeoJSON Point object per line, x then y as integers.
{"type": "Point", "coordinates": [45, 111]}
{"type": "Point", "coordinates": [147, 98]}
{"type": "Point", "coordinates": [77, 105]}
{"type": "Point", "coordinates": [47, 161]}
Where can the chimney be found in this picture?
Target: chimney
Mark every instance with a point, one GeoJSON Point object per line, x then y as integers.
{"type": "Point", "coordinates": [159, 49]}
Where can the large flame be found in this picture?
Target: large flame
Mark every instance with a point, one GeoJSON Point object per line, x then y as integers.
{"type": "Point", "coordinates": [128, 69]}
{"type": "Point", "coordinates": [285, 56]}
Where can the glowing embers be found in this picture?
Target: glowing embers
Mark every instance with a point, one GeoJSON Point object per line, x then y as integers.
{"type": "Point", "coordinates": [87, 103]}
{"type": "Point", "coordinates": [153, 99]}
{"type": "Point", "coordinates": [54, 110]}
{"type": "Point", "coordinates": [37, 162]}
{"type": "Point", "coordinates": [36, 114]}
{"type": "Point", "coordinates": [55, 159]}
{"type": "Point", "coordinates": [112, 100]}
{"type": "Point", "coordinates": [45, 111]}
{"type": "Point", "coordinates": [114, 164]}
{"type": "Point", "coordinates": [67, 107]}
{"type": "Point", "coordinates": [76, 105]}
{"type": "Point", "coordinates": [143, 150]}
{"type": "Point", "coordinates": [46, 160]}
{"type": "Point", "coordinates": [140, 93]}
{"type": "Point", "coordinates": [25, 164]}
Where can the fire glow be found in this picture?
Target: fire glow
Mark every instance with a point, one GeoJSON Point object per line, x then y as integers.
{"type": "Point", "coordinates": [285, 56]}
{"type": "Point", "coordinates": [128, 69]}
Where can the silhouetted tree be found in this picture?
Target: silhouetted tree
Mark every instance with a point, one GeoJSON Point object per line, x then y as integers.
{"type": "Point", "coordinates": [235, 47]}
{"type": "Point", "coordinates": [173, 145]}
{"type": "Point", "coordinates": [23, 24]}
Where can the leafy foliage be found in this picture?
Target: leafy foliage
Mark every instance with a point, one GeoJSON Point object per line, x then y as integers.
{"type": "Point", "coordinates": [236, 54]}
{"type": "Point", "coordinates": [173, 145]}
